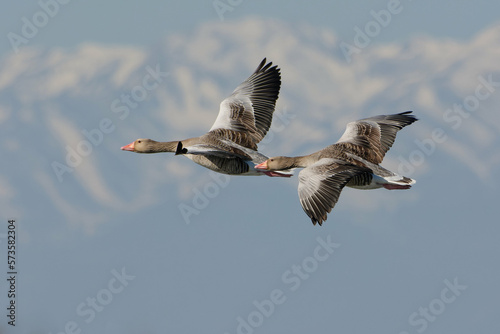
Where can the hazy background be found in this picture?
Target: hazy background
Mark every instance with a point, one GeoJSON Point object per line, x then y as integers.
{"type": "Point", "coordinates": [200, 253]}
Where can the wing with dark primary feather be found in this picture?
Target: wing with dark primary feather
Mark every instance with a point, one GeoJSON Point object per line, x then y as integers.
{"type": "Point", "coordinates": [249, 110]}
{"type": "Point", "coordinates": [371, 138]}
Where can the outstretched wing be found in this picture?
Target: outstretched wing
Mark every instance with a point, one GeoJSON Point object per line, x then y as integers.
{"type": "Point", "coordinates": [251, 106]}
{"type": "Point", "coordinates": [371, 138]}
{"type": "Point", "coordinates": [321, 183]}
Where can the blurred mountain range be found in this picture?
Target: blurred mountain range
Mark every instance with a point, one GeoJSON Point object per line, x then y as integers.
{"type": "Point", "coordinates": [65, 113]}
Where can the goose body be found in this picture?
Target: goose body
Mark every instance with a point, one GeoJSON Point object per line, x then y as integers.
{"type": "Point", "coordinates": [353, 161]}
{"type": "Point", "coordinates": [230, 146]}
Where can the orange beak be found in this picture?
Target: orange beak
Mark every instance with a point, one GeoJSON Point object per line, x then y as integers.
{"type": "Point", "coordinates": [129, 147]}
{"type": "Point", "coordinates": [262, 165]}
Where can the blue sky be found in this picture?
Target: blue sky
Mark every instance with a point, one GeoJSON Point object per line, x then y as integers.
{"type": "Point", "coordinates": [132, 23]}
{"type": "Point", "coordinates": [105, 246]}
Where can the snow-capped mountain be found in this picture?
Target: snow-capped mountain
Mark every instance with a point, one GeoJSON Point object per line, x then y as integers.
{"type": "Point", "coordinates": [66, 112]}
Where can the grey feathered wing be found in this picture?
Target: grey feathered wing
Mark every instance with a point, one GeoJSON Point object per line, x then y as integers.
{"type": "Point", "coordinates": [320, 186]}
{"type": "Point", "coordinates": [371, 138]}
{"type": "Point", "coordinates": [245, 117]}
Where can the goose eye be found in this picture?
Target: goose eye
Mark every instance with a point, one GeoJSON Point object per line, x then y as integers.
{"type": "Point", "coordinates": [139, 141]}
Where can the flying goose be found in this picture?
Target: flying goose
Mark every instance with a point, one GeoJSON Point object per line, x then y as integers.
{"type": "Point", "coordinates": [353, 161]}
{"type": "Point", "coordinates": [230, 146]}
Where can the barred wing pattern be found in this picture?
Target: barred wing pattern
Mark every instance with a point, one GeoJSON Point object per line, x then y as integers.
{"type": "Point", "coordinates": [371, 138]}
{"type": "Point", "coordinates": [251, 106]}
{"type": "Point", "coordinates": [321, 183]}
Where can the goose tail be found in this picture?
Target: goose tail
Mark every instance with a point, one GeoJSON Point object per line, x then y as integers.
{"type": "Point", "coordinates": [397, 182]}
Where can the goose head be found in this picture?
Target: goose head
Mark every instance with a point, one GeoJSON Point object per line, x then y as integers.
{"type": "Point", "coordinates": [277, 163]}
{"type": "Point", "coordinates": [142, 146]}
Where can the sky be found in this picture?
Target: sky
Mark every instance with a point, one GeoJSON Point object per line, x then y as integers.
{"type": "Point", "coordinates": [108, 241]}
{"type": "Point", "coordinates": [142, 24]}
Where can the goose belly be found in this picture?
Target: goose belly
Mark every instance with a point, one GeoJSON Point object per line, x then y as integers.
{"type": "Point", "coordinates": [374, 182]}
{"type": "Point", "coordinates": [389, 182]}
{"type": "Point", "coordinates": [230, 166]}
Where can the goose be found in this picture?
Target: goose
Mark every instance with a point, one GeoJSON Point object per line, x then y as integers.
{"type": "Point", "coordinates": [230, 146]}
{"type": "Point", "coordinates": [353, 161]}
